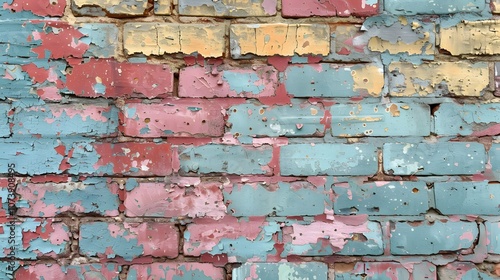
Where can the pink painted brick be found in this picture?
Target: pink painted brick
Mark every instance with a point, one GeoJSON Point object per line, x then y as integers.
{"type": "Point", "coordinates": [37, 7]}
{"type": "Point", "coordinates": [175, 271]}
{"type": "Point", "coordinates": [70, 272]}
{"type": "Point", "coordinates": [328, 8]}
{"type": "Point", "coordinates": [111, 79]}
{"type": "Point", "coordinates": [258, 81]}
{"type": "Point", "coordinates": [199, 118]}
{"type": "Point", "coordinates": [202, 199]}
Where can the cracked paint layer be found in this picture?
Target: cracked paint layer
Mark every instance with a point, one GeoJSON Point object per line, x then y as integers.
{"type": "Point", "coordinates": [208, 82]}
{"type": "Point", "coordinates": [425, 238]}
{"type": "Point", "coordinates": [227, 8]}
{"type": "Point", "coordinates": [290, 271]}
{"type": "Point", "coordinates": [463, 271]}
{"type": "Point", "coordinates": [280, 39]}
{"type": "Point", "coordinates": [467, 119]}
{"type": "Point", "coordinates": [83, 271]}
{"type": "Point", "coordinates": [339, 8]}
{"type": "Point", "coordinates": [461, 78]}
{"type": "Point", "coordinates": [288, 120]}
{"type": "Point", "coordinates": [453, 158]}
{"type": "Point", "coordinates": [471, 37]}
{"type": "Point", "coordinates": [201, 199]}
{"type": "Point", "coordinates": [381, 198]}
{"type": "Point", "coordinates": [177, 271]}
{"type": "Point", "coordinates": [171, 38]}
{"type": "Point", "coordinates": [332, 80]}
{"type": "Point", "coordinates": [110, 8]}
{"type": "Point", "coordinates": [328, 159]}
{"type": "Point", "coordinates": [380, 120]}
{"type": "Point", "coordinates": [454, 198]}
{"type": "Point", "coordinates": [128, 240]}
{"type": "Point", "coordinates": [194, 118]}
{"type": "Point", "coordinates": [432, 7]}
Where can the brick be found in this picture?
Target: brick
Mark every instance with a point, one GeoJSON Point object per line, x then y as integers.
{"type": "Point", "coordinates": [240, 240]}
{"type": "Point", "coordinates": [433, 79]}
{"type": "Point", "coordinates": [493, 232]}
{"type": "Point", "coordinates": [195, 118]}
{"type": "Point", "coordinates": [494, 156]}
{"type": "Point", "coordinates": [180, 271]}
{"type": "Point", "coordinates": [471, 37]}
{"type": "Point", "coordinates": [112, 79]}
{"type": "Point", "coordinates": [225, 159]}
{"type": "Point", "coordinates": [89, 196]}
{"type": "Point", "coordinates": [102, 39]}
{"type": "Point", "coordinates": [173, 200]}
{"type": "Point", "coordinates": [430, 7]}
{"type": "Point", "coordinates": [328, 159]}
{"type": "Point", "coordinates": [280, 39]}
{"type": "Point", "coordinates": [227, 8]}
{"type": "Point", "coordinates": [463, 271]}
{"type": "Point", "coordinates": [467, 198]}
{"type": "Point", "coordinates": [332, 80]}
{"type": "Point", "coordinates": [467, 119]}
{"type": "Point", "coordinates": [69, 272]}
{"type": "Point", "coordinates": [289, 120]}
{"type": "Point", "coordinates": [162, 7]}
{"type": "Point", "coordinates": [37, 7]}
{"type": "Point", "coordinates": [308, 8]}
{"type": "Point", "coordinates": [391, 119]}
{"type": "Point", "coordinates": [128, 240]}
{"type": "Point", "coordinates": [159, 38]}
{"type": "Point", "coordinates": [110, 8]}
{"type": "Point", "coordinates": [4, 120]}
{"type": "Point", "coordinates": [495, 6]}
{"type": "Point", "coordinates": [64, 120]}
{"type": "Point", "coordinates": [342, 237]}
{"type": "Point", "coordinates": [400, 36]}
{"type": "Point", "coordinates": [454, 158]}
{"type": "Point", "coordinates": [350, 43]}
{"type": "Point", "coordinates": [425, 238]}
{"type": "Point", "coordinates": [292, 271]}
{"type": "Point", "coordinates": [258, 81]}
{"type": "Point", "coordinates": [389, 270]}
{"type": "Point", "coordinates": [34, 238]}
{"type": "Point", "coordinates": [281, 199]}
{"type": "Point", "coordinates": [381, 198]}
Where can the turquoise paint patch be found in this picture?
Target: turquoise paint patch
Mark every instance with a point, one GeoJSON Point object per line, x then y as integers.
{"type": "Point", "coordinates": [373, 246]}
{"type": "Point", "coordinates": [328, 159]}
{"type": "Point", "coordinates": [131, 184]}
{"type": "Point", "coordinates": [243, 82]}
{"type": "Point", "coordinates": [456, 119]}
{"type": "Point", "coordinates": [258, 201]}
{"type": "Point", "coordinates": [4, 120]}
{"type": "Point", "coordinates": [431, 7]}
{"type": "Point", "coordinates": [95, 238]}
{"type": "Point", "coordinates": [451, 158]}
{"type": "Point", "coordinates": [225, 159]}
{"type": "Point", "coordinates": [99, 88]}
{"type": "Point", "coordinates": [101, 38]}
{"type": "Point", "coordinates": [282, 271]}
{"type": "Point", "coordinates": [478, 198]}
{"type": "Point", "coordinates": [297, 120]}
{"type": "Point", "coordinates": [494, 154]}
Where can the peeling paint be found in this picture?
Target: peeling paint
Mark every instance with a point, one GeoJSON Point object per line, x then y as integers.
{"type": "Point", "coordinates": [227, 8]}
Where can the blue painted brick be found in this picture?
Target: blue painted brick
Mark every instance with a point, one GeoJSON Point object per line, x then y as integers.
{"type": "Point", "coordinates": [453, 158]}
{"type": "Point", "coordinates": [225, 159]}
{"type": "Point", "coordinates": [467, 198]}
{"type": "Point", "coordinates": [391, 119]}
{"type": "Point", "coordinates": [493, 230]}
{"type": "Point", "coordinates": [289, 271]}
{"type": "Point", "coordinates": [328, 159]}
{"type": "Point", "coordinates": [494, 154]}
{"type": "Point", "coordinates": [4, 120]}
{"type": "Point", "coordinates": [296, 120]}
{"type": "Point", "coordinates": [432, 7]}
{"type": "Point", "coordinates": [102, 39]}
{"type": "Point", "coordinates": [381, 198]}
{"type": "Point", "coordinates": [425, 238]}
{"type": "Point", "coordinates": [467, 119]}
{"type": "Point", "coordinates": [282, 199]}
{"type": "Point", "coordinates": [330, 80]}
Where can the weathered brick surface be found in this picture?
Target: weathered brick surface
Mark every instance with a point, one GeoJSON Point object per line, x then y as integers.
{"type": "Point", "coordinates": [292, 139]}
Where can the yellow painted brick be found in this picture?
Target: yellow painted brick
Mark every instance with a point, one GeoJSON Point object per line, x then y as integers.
{"type": "Point", "coordinates": [369, 78]}
{"type": "Point", "coordinates": [163, 7]}
{"type": "Point", "coordinates": [159, 38]}
{"type": "Point", "coordinates": [116, 6]}
{"type": "Point", "coordinates": [227, 8]}
{"type": "Point", "coordinates": [461, 78]}
{"type": "Point", "coordinates": [280, 39]}
{"type": "Point", "coordinates": [479, 37]}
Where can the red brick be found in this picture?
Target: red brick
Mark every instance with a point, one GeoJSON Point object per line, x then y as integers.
{"type": "Point", "coordinates": [70, 272]}
{"type": "Point", "coordinates": [38, 7]}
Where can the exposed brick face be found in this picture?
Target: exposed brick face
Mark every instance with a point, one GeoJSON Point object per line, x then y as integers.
{"type": "Point", "coordinates": [249, 139]}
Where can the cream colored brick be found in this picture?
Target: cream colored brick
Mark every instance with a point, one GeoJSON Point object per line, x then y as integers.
{"type": "Point", "coordinates": [159, 38]}
{"type": "Point", "coordinates": [227, 8]}
{"type": "Point", "coordinates": [480, 37]}
{"type": "Point", "coordinates": [116, 6]}
{"type": "Point", "coordinates": [495, 6]}
{"type": "Point", "coordinates": [280, 39]}
{"type": "Point", "coordinates": [459, 78]}
{"type": "Point", "coordinates": [163, 7]}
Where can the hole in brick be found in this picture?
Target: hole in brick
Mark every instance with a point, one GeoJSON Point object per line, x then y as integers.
{"type": "Point", "coordinates": [415, 190]}
{"type": "Point", "coordinates": [147, 120]}
{"type": "Point", "coordinates": [203, 121]}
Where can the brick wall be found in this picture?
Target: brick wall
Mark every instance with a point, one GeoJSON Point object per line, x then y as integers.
{"type": "Point", "coordinates": [263, 139]}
